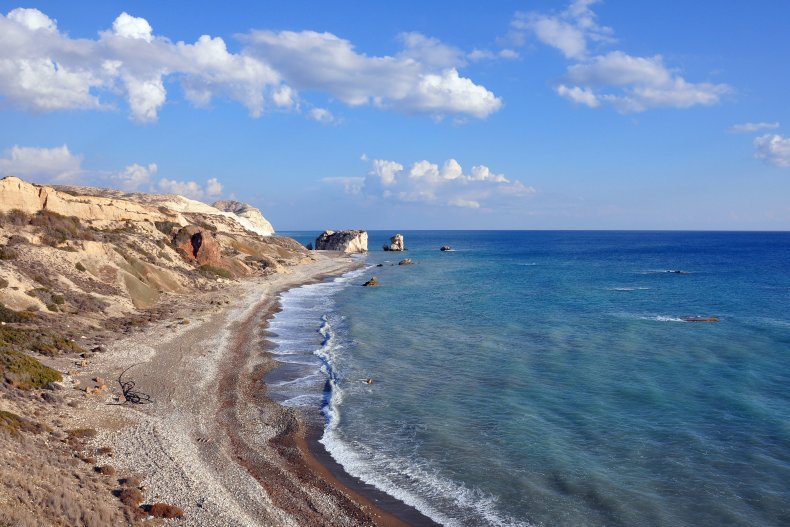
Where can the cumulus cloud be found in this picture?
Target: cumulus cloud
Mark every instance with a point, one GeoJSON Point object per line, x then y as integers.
{"type": "Point", "coordinates": [773, 149]}
{"type": "Point", "coordinates": [628, 83]}
{"type": "Point", "coordinates": [191, 189]}
{"type": "Point", "coordinates": [752, 127]}
{"type": "Point", "coordinates": [44, 69]}
{"type": "Point", "coordinates": [135, 177]}
{"type": "Point", "coordinates": [427, 182]}
{"type": "Point", "coordinates": [421, 79]}
{"type": "Point", "coordinates": [41, 164]}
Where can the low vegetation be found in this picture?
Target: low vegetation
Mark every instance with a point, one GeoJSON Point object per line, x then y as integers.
{"type": "Point", "coordinates": [40, 341]}
{"type": "Point", "coordinates": [24, 372]}
{"type": "Point", "coordinates": [217, 271]}
{"type": "Point", "coordinates": [10, 316]}
{"type": "Point", "coordinates": [163, 510]}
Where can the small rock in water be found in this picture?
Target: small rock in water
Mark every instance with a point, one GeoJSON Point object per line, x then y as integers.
{"type": "Point", "coordinates": [407, 261]}
{"type": "Point", "coordinates": [446, 248]}
{"type": "Point", "coordinates": [373, 282]}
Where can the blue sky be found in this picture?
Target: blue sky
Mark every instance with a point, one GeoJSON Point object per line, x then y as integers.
{"type": "Point", "coordinates": [408, 115]}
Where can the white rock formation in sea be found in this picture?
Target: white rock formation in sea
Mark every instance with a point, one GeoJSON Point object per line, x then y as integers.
{"type": "Point", "coordinates": [396, 244]}
{"type": "Point", "coordinates": [248, 212]}
{"type": "Point", "coordinates": [351, 241]}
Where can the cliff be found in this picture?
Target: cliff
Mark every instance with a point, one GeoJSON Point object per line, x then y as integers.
{"type": "Point", "coordinates": [108, 253]}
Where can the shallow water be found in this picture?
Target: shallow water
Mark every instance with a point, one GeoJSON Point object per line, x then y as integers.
{"type": "Point", "coordinates": [548, 378]}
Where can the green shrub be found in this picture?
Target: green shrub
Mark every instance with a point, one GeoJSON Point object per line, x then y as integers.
{"type": "Point", "coordinates": [218, 271]}
{"type": "Point", "coordinates": [58, 300]}
{"type": "Point", "coordinates": [56, 229]}
{"type": "Point", "coordinates": [37, 340]}
{"type": "Point", "coordinates": [80, 267]}
{"type": "Point", "coordinates": [25, 372]}
{"type": "Point", "coordinates": [9, 315]}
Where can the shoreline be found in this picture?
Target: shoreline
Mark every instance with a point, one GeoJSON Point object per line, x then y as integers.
{"type": "Point", "coordinates": [213, 442]}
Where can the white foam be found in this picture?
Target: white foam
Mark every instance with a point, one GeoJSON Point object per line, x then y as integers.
{"type": "Point", "coordinates": [627, 288]}
{"type": "Point", "coordinates": [418, 483]}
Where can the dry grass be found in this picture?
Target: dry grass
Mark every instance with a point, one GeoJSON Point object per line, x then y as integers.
{"type": "Point", "coordinates": [131, 497]}
{"type": "Point", "coordinates": [163, 510]}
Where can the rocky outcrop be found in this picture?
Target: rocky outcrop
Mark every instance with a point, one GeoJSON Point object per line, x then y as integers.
{"type": "Point", "coordinates": [396, 244]}
{"type": "Point", "coordinates": [198, 244]}
{"type": "Point", "coordinates": [351, 241]}
{"type": "Point", "coordinates": [445, 248]}
{"type": "Point", "coordinates": [373, 282]}
{"type": "Point", "coordinates": [253, 216]}
{"type": "Point", "coordinates": [406, 261]}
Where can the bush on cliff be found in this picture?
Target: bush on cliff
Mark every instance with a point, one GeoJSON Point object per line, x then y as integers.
{"type": "Point", "coordinates": [21, 371]}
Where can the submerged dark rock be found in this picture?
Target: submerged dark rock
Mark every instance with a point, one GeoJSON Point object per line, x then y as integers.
{"type": "Point", "coordinates": [373, 282]}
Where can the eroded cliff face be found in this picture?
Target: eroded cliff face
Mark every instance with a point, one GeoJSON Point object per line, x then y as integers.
{"type": "Point", "coordinates": [246, 212]}
{"type": "Point", "coordinates": [351, 241]}
{"type": "Point", "coordinates": [100, 253]}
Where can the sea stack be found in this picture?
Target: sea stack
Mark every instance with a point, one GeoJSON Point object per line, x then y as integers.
{"type": "Point", "coordinates": [351, 241]}
{"type": "Point", "coordinates": [396, 244]}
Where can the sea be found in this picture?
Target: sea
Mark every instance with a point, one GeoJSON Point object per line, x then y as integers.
{"type": "Point", "coordinates": [542, 378]}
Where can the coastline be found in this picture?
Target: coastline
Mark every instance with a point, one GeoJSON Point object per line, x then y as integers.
{"type": "Point", "coordinates": [213, 440]}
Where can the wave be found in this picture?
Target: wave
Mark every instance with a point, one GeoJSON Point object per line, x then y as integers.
{"type": "Point", "coordinates": [415, 483]}
{"type": "Point", "coordinates": [627, 288]}
{"type": "Point", "coordinates": [529, 264]}
{"type": "Point", "coordinates": [664, 271]}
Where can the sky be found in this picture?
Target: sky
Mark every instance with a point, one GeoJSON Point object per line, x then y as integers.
{"type": "Point", "coordinates": [578, 114]}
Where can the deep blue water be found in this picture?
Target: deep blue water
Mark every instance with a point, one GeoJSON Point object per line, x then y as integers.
{"type": "Point", "coordinates": [547, 378]}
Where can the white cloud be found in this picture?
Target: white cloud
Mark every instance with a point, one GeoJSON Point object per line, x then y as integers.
{"type": "Point", "coordinates": [579, 95]}
{"type": "Point", "coordinates": [385, 171]}
{"type": "Point", "coordinates": [44, 69]}
{"type": "Point", "coordinates": [191, 189]}
{"type": "Point", "coordinates": [752, 127]}
{"type": "Point", "coordinates": [427, 182]}
{"type": "Point", "coordinates": [321, 115]}
{"type": "Point", "coordinates": [32, 19]}
{"type": "Point", "coordinates": [430, 51]}
{"type": "Point", "coordinates": [323, 61]}
{"type": "Point", "coordinates": [128, 26]}
{"type": "Point", "coordinates": [773, 149]}
{"type": "Point", "coordinates": [57, 164]}
{"type": "Point", "coordinates": [568, 31]}
{"type": "Point", "coordinates": [628, 83]}
{"type": "Point", "coordinates": [135, 177]}
{"type": "Point", "coordinates": [635, 84]}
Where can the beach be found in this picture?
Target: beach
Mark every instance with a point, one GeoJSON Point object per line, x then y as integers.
{"type": "Point", "coordinates": [211, 442]}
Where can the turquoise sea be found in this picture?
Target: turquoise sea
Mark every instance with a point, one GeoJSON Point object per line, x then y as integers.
{"type": "Point", "coordinates": [549, 378]}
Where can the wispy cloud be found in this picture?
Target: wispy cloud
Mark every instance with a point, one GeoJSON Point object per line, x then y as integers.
{"type": "Point", "coordinates": [626, 82]}
{"type": "Point", "coordinates": [752, 127]}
